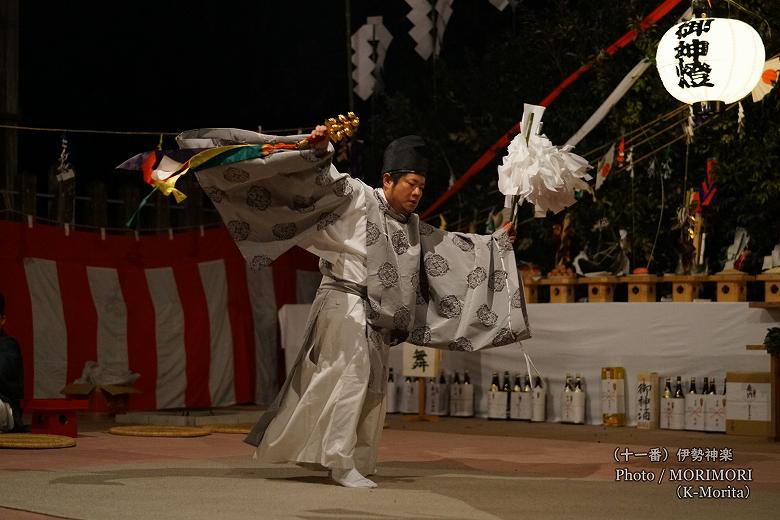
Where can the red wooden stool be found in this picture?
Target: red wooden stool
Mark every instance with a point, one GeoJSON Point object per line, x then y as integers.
{"type": "Point", "coordinates": [55, 416]}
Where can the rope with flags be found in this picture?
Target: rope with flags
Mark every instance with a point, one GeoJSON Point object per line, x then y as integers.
{"type": "Point", "coordinates": [487, 157]}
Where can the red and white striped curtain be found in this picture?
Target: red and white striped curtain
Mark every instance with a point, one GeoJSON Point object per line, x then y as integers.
{"type": "Point", "coordinates": [182, 310]}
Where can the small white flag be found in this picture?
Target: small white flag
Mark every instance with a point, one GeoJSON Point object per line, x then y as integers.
{"type": "Point", "coordinates": [605, 166]}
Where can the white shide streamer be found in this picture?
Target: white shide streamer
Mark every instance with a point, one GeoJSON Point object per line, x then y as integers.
{"type": "Point", "coordinates": [540, 172]}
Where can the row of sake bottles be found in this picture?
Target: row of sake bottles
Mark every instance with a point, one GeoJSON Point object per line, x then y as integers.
{"type": "Point", "coordinates": [693, 408]}
{"type": "Point", "coordinates": [708, 387]}
{"type": "Point", "coordinates": [442, 397]}
{"type": "Point", "coordinates": [455, 397]}
{"type": "Point", "coordinates": [518, 401]}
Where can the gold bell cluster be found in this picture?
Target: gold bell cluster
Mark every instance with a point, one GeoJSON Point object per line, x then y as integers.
{"type": "Point", "coordinates": [342, 126]}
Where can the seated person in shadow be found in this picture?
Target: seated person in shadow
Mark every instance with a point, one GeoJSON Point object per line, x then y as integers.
{"type": "Point", "coordinates": [11, 379]}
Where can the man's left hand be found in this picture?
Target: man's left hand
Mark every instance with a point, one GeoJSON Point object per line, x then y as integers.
{"type": "Point", "coordinates": [511, 232]}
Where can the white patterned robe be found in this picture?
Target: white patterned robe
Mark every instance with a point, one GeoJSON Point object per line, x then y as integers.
{"type": "Point", "coordinates": [387, 279]}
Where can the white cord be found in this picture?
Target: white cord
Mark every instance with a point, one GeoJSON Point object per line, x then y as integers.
{"type": "Point", "coordinates": [528, 362]}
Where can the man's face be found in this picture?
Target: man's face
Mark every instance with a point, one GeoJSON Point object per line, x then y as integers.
{"type": "Point", "coordinates": [404, 195]}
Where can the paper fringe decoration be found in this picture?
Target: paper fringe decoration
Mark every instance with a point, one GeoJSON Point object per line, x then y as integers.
{"type": "Point", "coordinates": [540, 172]}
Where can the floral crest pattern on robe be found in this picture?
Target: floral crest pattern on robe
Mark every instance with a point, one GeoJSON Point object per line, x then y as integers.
{"type": "Point", "coordinates": [425, 286]}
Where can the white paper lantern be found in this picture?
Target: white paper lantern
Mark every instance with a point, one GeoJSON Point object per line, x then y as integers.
{"type": "Point", "coordinates": [710, 59]}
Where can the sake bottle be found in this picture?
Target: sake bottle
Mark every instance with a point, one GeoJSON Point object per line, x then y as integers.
{"type": "Point", "coordinates": [567, 386]}
{"type": "Point", "coordinates": [443, 395]}
{"type": "Point", "coordinates": [668, 388]}
{"type": "Point", "coordinates": [506, 387]}
{"type": "Point", "coordinates": [678, 391]}
{"type": "Point", "coordinates": [468, 395]}
{"type": "Point", "coordinates": [391, 393]}
{"type": "Point", "coordinates": [456, 396]}
{"type": "Point", "coordinates": [575, 398]}
{"type": "Point", "coordinates": [539, 396]}
{"type": "Point", "coordinates": [494, 401]}
{"type": "Point", "coordinates": [525, 404]}
{"type": "Point", "coordinates": [494, 382]}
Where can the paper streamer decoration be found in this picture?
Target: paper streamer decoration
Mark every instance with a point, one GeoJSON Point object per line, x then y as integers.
{"type": "Point", "coordinates": [367, 72]}
{"type": "Point", "coordinates": [422, 17]}
{"type": "Point", "coordinates": [538, 171]}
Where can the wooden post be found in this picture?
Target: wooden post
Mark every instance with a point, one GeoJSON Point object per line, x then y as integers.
{"type": "Point", "coordinates": [66, 202]}
{"type": "Point", "coordinates": [29, 189]}
{"type": "Point", "coordinates": [99, 195]}
{"type": "Point", "coordinates": [51, 202]}
{"type": "Point", "coordinates": [9, 100]}
{"type": "Point", "coordinates": [775, 370]}
{"type": "Point", "coordinates": [421, 416]}
{"type": "Point", "coordinates": [193, 204]}
{"type": "Point", "coordinates": [131, 198]}
{"type": "Point", "coordinates": [162, 213]}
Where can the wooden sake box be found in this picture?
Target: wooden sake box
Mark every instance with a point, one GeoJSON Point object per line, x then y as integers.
{"type": "Point", "coordinates": [601, 289]}
{"type": "Point", "coordinates": [749, 404]}
{"type": "Point", "coordinates": [641, 287]}
{"type": "Point", "coordinates": [731, 285]}
{"type": "Point", "coordinates": [685, 287]}
{"type": "Point", "coordinates": [561, 288]}
{"type": "Point", "coordinates": [530, 288]}
{"type": "Point", "coordinates": [771, 287]}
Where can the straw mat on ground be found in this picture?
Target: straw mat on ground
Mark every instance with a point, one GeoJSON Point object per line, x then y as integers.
{"type": "Point", "coordinates": [149, 430]}
{"type": "Point", "coordinates": [228, 428]}
{"type": "Point", "coordinates": [35, 441]}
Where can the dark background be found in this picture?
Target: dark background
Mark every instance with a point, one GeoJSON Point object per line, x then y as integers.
{"type": "Point", "coordinates": [173, 66]}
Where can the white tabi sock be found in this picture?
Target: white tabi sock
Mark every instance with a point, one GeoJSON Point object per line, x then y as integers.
{"type": "Point", "coordinates": [351, 478]}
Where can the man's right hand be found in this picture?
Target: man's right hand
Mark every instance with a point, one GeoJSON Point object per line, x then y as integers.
{"type": "Point", "coordinates": [318, 139]}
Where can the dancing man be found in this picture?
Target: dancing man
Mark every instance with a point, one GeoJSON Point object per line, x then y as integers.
{"type": "Point", "coordinates": [387, 278]}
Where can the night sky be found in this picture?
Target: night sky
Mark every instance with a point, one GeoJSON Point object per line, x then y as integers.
{"type": "Point", "coordinates": [172, 66]}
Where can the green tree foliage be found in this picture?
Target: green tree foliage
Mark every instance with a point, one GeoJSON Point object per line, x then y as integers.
{"type": "Point", "coordinates": [464, 101]}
